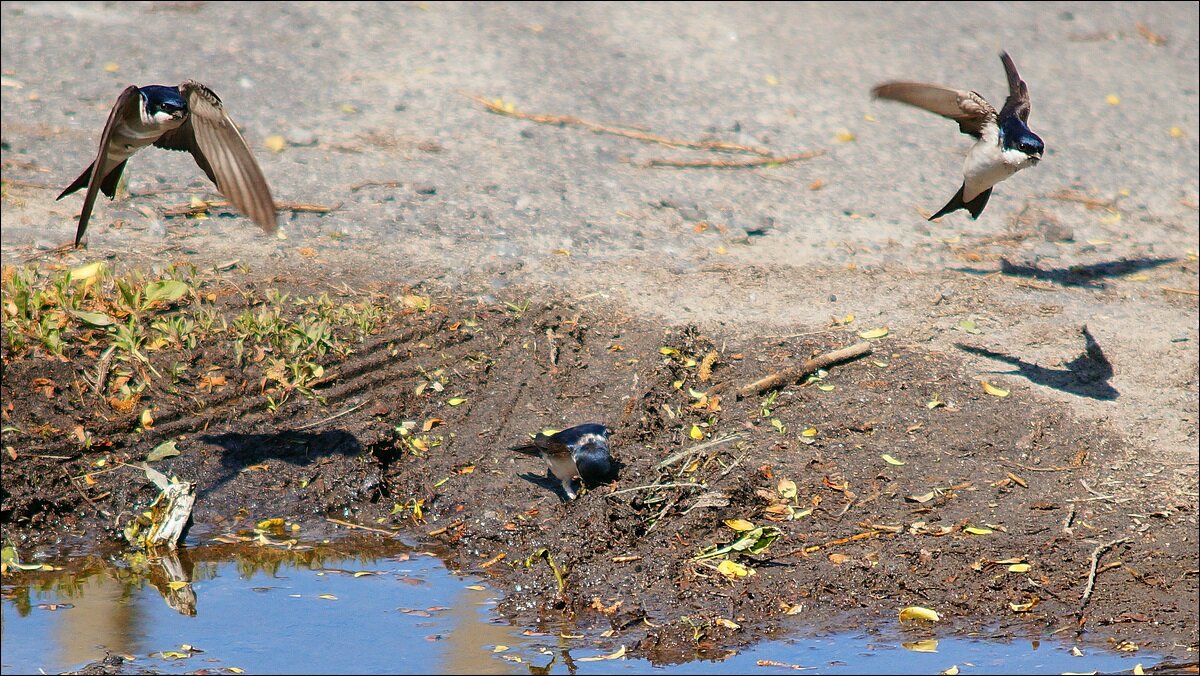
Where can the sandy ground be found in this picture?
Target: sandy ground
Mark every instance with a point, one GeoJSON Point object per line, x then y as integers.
{"type": "Point", "coordinates": [375, 93]}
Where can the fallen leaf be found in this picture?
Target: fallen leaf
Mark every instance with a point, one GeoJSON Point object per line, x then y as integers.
{"type": "Point", "coordinates": [892, 461]}
{"type": "Point", "coordinates": [993, 390]}
{"type": "Point", "coordinates": [919, 613]}
{"type": "Point", "coordinates": [614, 656]}
{"type": "Point", "coordinates": [873, 333]}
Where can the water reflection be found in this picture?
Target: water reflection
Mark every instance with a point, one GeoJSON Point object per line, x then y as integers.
{"type": "Point", "coordinates": [370, 605]}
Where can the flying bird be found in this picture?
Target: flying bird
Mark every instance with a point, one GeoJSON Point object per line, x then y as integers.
{"type": "Point", "coordinates": [580, 451]}
{"type": "Point", "coordinates": [1004, 143]}
{"type": "Point", "coordinates": [188, 117]}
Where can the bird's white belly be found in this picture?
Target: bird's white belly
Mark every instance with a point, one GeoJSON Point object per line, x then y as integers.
{"type": "Point", "coordinates": [986, 165]}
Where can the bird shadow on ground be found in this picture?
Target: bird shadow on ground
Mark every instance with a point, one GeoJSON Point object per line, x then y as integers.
{"type": "Point", "coordinates": [1086, 376]}
{"type": "Point", "coordinates": [1076, 275]}
{"type": "Point", "coordinates": [297, 448]}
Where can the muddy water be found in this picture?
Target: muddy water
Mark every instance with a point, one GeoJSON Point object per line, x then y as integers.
{"type": "Point", "coordinates": [395, 609]}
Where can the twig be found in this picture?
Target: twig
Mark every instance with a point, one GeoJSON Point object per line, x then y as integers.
{"type": "Point", "coordinates": [366, 184]}
{"type": "Point", "coordinates": [655, 487]}
{"type": "Point", "coordinates": [1089, 202]}
{"type": "Point", "coordinates": [1039, 469]}
{"type": "Point", "coordinates": [1190, 292]}
{"type": "Point", "coordinates": [348, 411]}
{"type": "Point", "coordinates": [1091, 584]}
{"type": "Point", "coordinates": [787, 376]}
{"type": "Point", "coordinates": [189, 210]}
{"type": "Point", "coordinates": [1069, 520]}
{"type": "Point", "coordinates": [348, 524]}
{"type": "Point", "coordinates": [731, 164]}
{"type": "Point", "coordinates": [30, 184]}
{"type": "Point", "coordinates": [699, 447]}
{"type": "Point", "coordinates": [500, 108]}
{"type": "Point", "coordinates": [83, 495]}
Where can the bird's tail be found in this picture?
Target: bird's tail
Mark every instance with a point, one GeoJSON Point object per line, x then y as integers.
{"type": "Point", "coordinates": [528, 449]}
{"type": "Point", "coordinates": [975, 206]}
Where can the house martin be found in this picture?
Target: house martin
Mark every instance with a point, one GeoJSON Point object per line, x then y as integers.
{"type": "Point", "coordinates": [188, 117]}
{"type": "Point", "coordinates": [1004, 144]}
{"type": "Point", "coordinates": [580, 451]}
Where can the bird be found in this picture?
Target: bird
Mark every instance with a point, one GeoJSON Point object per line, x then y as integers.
{"type": "Point", "coordinates": [1004, 143]}
{"type": "Point", "coordinates": [188, 117]}
{"type": "Point", "coordinates": [580, 451]}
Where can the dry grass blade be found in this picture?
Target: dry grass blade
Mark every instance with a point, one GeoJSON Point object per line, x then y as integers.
{"type": "Point", "coordinates": [733, 164]}
{"type": "Point", "coordinates": [499, 108]}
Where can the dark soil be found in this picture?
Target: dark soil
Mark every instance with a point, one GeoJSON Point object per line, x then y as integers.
{"type": "Point", "coordinates": [1051, 489]}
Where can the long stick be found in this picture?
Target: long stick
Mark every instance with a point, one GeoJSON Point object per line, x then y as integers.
{"type": "Point", "coordinates": [1091, 583]}
{"type": "Point", "coordinates": [791, 375]}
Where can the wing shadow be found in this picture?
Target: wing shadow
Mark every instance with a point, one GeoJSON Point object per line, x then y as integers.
{"type": "Point", "coordinates": [1086, 376]}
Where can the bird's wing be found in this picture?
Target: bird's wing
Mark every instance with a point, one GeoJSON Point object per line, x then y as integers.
{"type": "Point", "coordinates": [127, 104]}
{"type": "Point", "coordinates": [222, 153]}
{"type": "Point", "coordinates": [970, 110]}
{"type": "Point", "coordinates": [1018, 92]}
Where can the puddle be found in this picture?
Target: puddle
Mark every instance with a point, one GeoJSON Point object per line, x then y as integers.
{"type": "Point", "coordinates": [335, 609]}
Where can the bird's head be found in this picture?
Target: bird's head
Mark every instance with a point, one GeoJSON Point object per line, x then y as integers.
{"type": "Point", "coordinates": [163, 103]}
{"type": "Point", "coordinates": [1016, 137]}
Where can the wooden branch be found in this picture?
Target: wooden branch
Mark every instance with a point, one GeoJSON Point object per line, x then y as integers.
{"type": "Point", "coordinates": [788, 376]}
{"type": "Point", "coordinates": [498, 107]}
{"type": "Point", "coordinates": [1091, 583]}
{"type": "Point", "coordinates": [203, 207]}
{"type": "Point", "coordinates": [733, 164]}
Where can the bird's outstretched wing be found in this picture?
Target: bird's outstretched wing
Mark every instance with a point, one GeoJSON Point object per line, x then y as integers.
{"type": "Point", "coordinates": [212, 138]}
{"type": "Point", "coordinates": [1018, 92]}
{"type": "Point", "coordinates": [95, 177]}
{"type": "Point", "coordinates": [970, 110]}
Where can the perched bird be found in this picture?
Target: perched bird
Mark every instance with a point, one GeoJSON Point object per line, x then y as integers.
{"type": "Point", "coordinates": [188, 117]}
{"type": "Point", "coordinates": [1005, 144]}
{"type": "Point", "coordinates": [580, 451]}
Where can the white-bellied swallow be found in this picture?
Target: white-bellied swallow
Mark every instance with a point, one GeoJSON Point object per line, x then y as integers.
{"type": "Point", "coordinates": [580, 451]}
{"type": "Point", "coordinates": [188, 117]}
{"type": "Point", "coordinates": [1004, 145]}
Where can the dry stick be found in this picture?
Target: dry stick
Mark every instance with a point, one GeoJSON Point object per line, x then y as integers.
{"type": "Point", "coordinates": [1190, 292]}
{"type": "Point", "coordinates": [348, 411]}
{"type": "Point", "coordinates": [348, 524]}
{"type": "Point", "coordinates": [656, 487]}
{"type": "Point", "coordinates": [499, 108]}
{"type": "Point", "coordinates": [791, 375]}
{"type": "Point", "coordinates": [732, 164]}
{"type": "Point", "coordinates": [1091, 584]}
{"type": "Point", "coordinates": [189, 210]}
{"type": "Point", "coordinates": [387, 184]}
{"type": "Point", "coordinates": [1069, 520]}
{"type": "Point", "coordinates": [83, 495]}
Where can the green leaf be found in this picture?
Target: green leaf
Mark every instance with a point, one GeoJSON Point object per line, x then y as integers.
{"type": "Point", "coordinates": [167, 291]}
{"type": "Point", "coordinates": [97, 319]}
{"type": "Point", "coordinates": [164, 450]}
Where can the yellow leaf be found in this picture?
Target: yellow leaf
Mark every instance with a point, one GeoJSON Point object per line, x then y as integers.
{"type": "Point", "coordinates": [476, 587]}
{"type": "Point", "coordinates": [1138, 670]}
{"type": "Point", "coordinates": [111, 67]}
{"type": "Point", "coordinates": [499, 648]}
{"type": "Point", "coordinates": [733, 570]}
{"type": "Point", "coordinates": [772, 80]}
{"type": "Point", "coordinates": [918, 613]}
{"type": "Point", "coordinates": [1024, 607]}
{"type": "Point", "coordinates": [926, 646]}
{"type": "Point", "coordinates": [1176, 132]}
{"type": "Point", "coordinates": [892, 461]}
{"type": "Point", "coordinates": [973, 530]}
{"type": "Point", "coordinates": [328, 597]}
{"type": "Point", "coordinates": [455, 401]}
{"type": "Point", "coordinates": [1112, 100]}
{"type": "Point", "coordinates": [614, 656]}
{"type": "Point", "coordinates": [993, 390]}
{"type": "Point", "coordinates": [85, 272]}
{"type": "Point", "coordinates": [952, 671]}
{"type": "Point", "coordinates": [177, 584]}
{"type": "Point", "coordinates": [739, 524]}
{"type": "Point", "coordinates": [845, 136]}
{"type": "Point", "coordinates": [696, 433]}
{"type": "Point", "coordinates": [786, 488]}
{"type": "Point", "coordinates": [1019, 568]}
{"type": "Point", "coordinates": [809, 432]}
{"type": "Point", "coordinates": [873, 333]}
{"type": "Point", "coordinates": [730, 624]}
{"type": "Point", "coordinates": [147, 420]}
{"type": "Point", "coordinates": [275, 143]}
